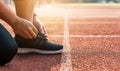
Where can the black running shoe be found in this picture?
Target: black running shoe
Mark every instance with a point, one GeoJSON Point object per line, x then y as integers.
{"type": "Point", "coordinates": [38, 45]}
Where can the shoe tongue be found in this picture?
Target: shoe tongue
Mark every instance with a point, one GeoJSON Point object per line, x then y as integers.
{"type": "Point", "coordinates": [42, 38]}
{"type": "Point", "coordinates": [40, 41]}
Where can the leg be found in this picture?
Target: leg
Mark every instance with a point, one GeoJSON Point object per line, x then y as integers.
{"type": "Point", "coordinates": [8, 46]}
{"type": "Point", "coordinates": [25, 9]}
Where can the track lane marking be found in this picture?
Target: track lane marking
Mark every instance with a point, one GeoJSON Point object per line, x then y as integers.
{"type": "Point", "coordinates": [97, 22]}
{"type": "Point", "coordinates": [66, 64]}
{"type": "Point", "coordinates": [84, 36]}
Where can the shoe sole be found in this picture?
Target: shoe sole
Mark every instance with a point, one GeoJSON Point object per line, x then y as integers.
{"type": "Point", "coordinates": [28, 50]}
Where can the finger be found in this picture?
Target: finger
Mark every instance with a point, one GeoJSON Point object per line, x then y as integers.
{"type": "Point", "coordinates": [41, 31]}
{"type": "Point", "coordinates": [28, 35]}
{"type": "Point", "coordinates": [35, 30]}
{"type": "Point", "coordinates": [45, 32]}
{"type": "Point", "coordinates": [23, 35]}
{"type": "Point", "coordinates": [32, 33]}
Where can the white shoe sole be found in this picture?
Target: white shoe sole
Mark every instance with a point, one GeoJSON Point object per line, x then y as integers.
{"type": "Point", "coordinates": [29, 50]}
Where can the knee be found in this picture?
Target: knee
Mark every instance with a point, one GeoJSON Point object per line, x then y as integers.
{"type": "Point", "coordinates": [7, 52]}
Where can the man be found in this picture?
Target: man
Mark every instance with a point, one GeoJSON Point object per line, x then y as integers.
{"type": "Point", "coordinates": [30, 33]}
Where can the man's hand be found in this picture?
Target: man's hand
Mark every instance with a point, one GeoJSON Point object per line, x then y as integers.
{"type": "Point", "coordinates": [25, 28]}
{"type": "Point", "coordinates": [40, 26]}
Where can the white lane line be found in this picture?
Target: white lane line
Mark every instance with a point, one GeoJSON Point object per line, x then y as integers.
{"type": "Point", "coordinates": [66, 64]}
{"type": "Point", "coordinates": [96, 36]}
{"type": "Point", "coordinates": [98, 22]}
{"type": "Point", "coordinates": [77, 22]}
{"type": "Point", "coordinates": [82, 36]}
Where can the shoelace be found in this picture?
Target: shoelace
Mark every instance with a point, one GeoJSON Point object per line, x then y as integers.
{"type": "Point", "coordinates": [40, 41]}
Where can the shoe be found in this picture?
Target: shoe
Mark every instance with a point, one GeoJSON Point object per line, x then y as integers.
{"type": "Point", "coordinates": [38, 45]}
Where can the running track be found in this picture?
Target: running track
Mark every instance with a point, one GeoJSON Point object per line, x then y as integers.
{"type": "Point", "coordinates": [90, 35]}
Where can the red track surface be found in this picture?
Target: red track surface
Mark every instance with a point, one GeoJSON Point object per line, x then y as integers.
{"type": "Point", "coordinates": [87, 53]}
